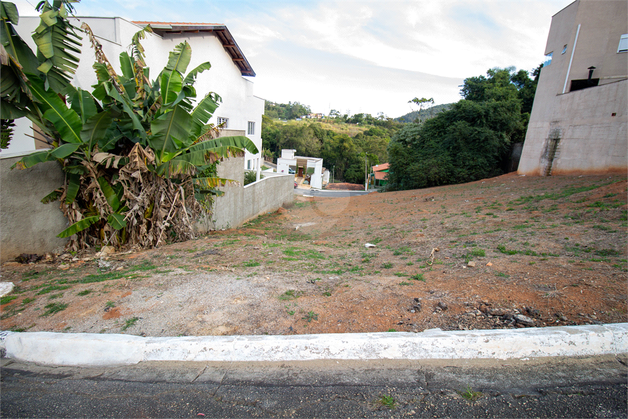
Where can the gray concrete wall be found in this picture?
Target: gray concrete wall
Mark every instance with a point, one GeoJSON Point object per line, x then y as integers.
{"type": "Point", "coordinates": [242, 203]}
{"type": "Point", "coordinates": [591, 126]}
{"type": "Point", "coordinates": [27, 225]}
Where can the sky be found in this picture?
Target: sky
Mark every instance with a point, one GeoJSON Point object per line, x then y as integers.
{"type": "Point", "coordinates": [360, 56]}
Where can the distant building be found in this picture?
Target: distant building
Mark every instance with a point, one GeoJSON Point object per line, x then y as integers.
{"type": "Point", "coordinates": [302, 167]}
{"type": "Point", "coordinates": [380, 174]}
{"type": "Point", "coordinates": [579, 122]}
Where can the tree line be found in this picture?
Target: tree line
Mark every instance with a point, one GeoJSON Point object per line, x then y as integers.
{"type": "Point", "coordinates": [470, 141]}
{"type": "Point", "coordinates": [345, 147]}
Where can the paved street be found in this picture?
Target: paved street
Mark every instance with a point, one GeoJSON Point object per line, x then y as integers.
{"type": "Point", "coordinates": [558, 387]}
{"type": "Point", "coordinates": [329, 194]}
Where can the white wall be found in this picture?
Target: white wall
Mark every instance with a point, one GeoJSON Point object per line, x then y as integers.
{"type": "Point", "coordinates": [239, 103]}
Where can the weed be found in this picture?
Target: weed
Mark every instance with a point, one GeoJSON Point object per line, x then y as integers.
{"type": "Point", "coordinates": [417, 277]}
{"type": "Point", "coordinates": [405, 283]}
{"type": "Point", "coordinates": [130, 323]}
{"type": "Point", "coordinates": [478, 252]}
{"type": "Point", "coordinates": [110, 304]}
{"type": "Point", "coordinates": [469, 394]}
{"type": "Point", "coordinates": [27, 301]}
{"type": "Point", "coordinates": [502, 275]}
{"type": "Point", "coordinates": [251, 264]}
{"type": "Point", "coordinates": [53, 296]}
{"type": "Point", "coordinates": [388, 401]}
{"type": "Point", "coordinates": [53, 308]}
{"type": "Point", "coordinates": [310, 316]}
{"type": "Point", "coordinates": [290, 295]}
{"type": "Point", "coordinates": [51, 288]}
{"type": "Point", "coordinates": [400, 274]}
{"type": "Point", "coordinates": [84, 293]}
{"type": "Point", "coordinates": [7, 299]}
{"type": "Point", "coordinates": [387, 265]}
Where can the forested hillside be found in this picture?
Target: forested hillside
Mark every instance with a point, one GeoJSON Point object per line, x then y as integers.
{"type": "Point", "coordinates": [470, 141]}
{"type": "Point", "coordinates": [342, 141]}
{"type": "Point", "coordinates": [424, 114]}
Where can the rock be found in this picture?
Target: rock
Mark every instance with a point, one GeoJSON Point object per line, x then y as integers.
{"type": "Point", "coordinates": [106, 251]}
{"type": "Point", "coordinates": [524, 320]}
{"type": "Point", "coordinates": [442, 306]}
{"type": "Point", "coordinates": [369, 245]}
{"type": "Point", "coordinates": [533, 312]}
{"type": "Point", "coordinates": [103, 264]}
{"type": "Point", "coordinates": [497, 312]}
{"type": "Point", "coordinates": [489, 264]}
{"type": "Point", "coordinates": [5, 288]}
{"type": "Point", "coordinates": [471, 264]}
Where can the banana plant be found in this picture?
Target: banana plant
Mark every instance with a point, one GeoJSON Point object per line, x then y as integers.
{"type": "Point", "coordinates": [127, 130]}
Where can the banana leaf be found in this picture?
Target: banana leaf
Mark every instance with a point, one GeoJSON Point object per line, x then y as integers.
{"type": "Point", "coordinates": [64, 150]}
{"type": "Point", "coordinates": [79, 226]}
{"type": "Point", "coordinates": [74, 183]}
{"type": "Point", "coordinates": [95, 129]}
{"type": "Point", "coordinates": [33, 159]}
{"type": "Point", "coordinates": [65, 120]}
{"type": "Point", "coordinates": [168, 127]}
{"type": "Point", "coordinates": [116, 221]}
{"type": "Point", "coordinates": [203, 111]}
{"type": "Point", "coordinates": [110, 195]}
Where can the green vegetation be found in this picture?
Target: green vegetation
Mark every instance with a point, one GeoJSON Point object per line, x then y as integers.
{"type": "Point", "coordinates": [7, 299]}
{"type": "Point", "coordinates": [310, 316]}
{"type": "Point", "coordinates": [104, 139]}
{"type": "Point", "coordinates": [469, 394]}
{"type": "Point", "coordinates": [470, 141]}
{"type": "Point", "coordinates": [53, 308]}
{"type": "Point", "coordinates": [388, 402]}
{"type": "Point", "coordinates": [129, 323]}
{"type": "Point", "coordinates": [290, 295]}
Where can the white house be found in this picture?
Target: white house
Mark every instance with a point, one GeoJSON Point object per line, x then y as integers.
{"type": "Point", "coordinates": [301, 165]}
{"type": "Point", "coordinates": [241, 111]}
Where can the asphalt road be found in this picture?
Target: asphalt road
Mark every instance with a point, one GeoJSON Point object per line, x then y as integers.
{"type": "Point", "coordinates": [558, 387]}
{"type": "Point", "coordinates": [330, 193]}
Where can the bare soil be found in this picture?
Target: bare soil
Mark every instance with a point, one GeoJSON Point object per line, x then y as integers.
{"type": "Point", "coordinates": [505, 252]}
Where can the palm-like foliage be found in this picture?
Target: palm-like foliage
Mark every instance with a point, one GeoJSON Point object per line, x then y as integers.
{"type": "Point", "coordinates": [138, 156]}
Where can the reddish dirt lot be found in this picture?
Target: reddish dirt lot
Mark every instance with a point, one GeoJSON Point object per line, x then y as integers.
{"type": "Point", "coordinates": [513, 251]}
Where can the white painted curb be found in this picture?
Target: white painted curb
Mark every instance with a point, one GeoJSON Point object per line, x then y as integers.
{"type": "Point", "coordinates": [77, 349]}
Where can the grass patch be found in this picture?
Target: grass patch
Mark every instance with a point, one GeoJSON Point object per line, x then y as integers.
{"type": "Point", "coordinates": [251, 264]}
{"type": "Point", "coordinates": [7, 299]}
{"type": "Point", "coordinates": [470, 395]}
{"type": "Point", "coordinates": [388, 402]}
{"type": "Point", "coordinates": [310, 316]}
{"type": "Point", "coordinates": [290, 295]}
{"type": "Point", "coordinates": [130, 323]}
{"type": "Point", "coordinates": [417, 277]}
{"type": "Point", "coordinates": [51, 288]}
{"type": "Point", "coordinates": [84, 293]}
{"type": "Point", "coordinates": [27, 301]}
{"type": "Point", "coordinates": [387, 265]}
{"type": "Point", "coordinates": [53, 308]}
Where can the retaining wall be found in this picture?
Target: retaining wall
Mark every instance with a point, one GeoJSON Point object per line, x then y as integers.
{"type": "Point", "coordinates": [27, 225]}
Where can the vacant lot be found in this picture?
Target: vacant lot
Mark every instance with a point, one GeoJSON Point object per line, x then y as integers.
{"type": "Point", "coordinates": [504, 252]}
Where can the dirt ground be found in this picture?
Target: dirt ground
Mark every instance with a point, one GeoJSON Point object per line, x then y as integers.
{"type": "Point", "coordinates": [511, 251]}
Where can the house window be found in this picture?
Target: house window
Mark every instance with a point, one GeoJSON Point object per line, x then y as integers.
{"type": "Point", "coordinates": [548, 59]}
{"type": "Point", "coordinates": [564, 49]}
{"type": "Point", "coordinates": [251, 130]}
{"type": "Point", "coordinates": [623, 43]}
{"type": "Point", "coordinates": [223, 122]}
{"type": "Point", "coordinates": [248, 164]}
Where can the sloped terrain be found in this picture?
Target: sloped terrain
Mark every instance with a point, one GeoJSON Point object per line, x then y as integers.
{"type": "Point", "coordinates": [510, 251]}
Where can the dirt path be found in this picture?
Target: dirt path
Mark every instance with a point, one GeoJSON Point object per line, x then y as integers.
{"type": "Point", "coordinates": [512, 252]}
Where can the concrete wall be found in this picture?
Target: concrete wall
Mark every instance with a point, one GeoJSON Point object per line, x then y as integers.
{"type": "Point", "coordinates": [588, 127]}
{"type": "Point", "coordinates": [242, 203]}
{"type": "Point", "coordinates": [590, 139]}
{"type": "Point", "coordinates": [27, 225]}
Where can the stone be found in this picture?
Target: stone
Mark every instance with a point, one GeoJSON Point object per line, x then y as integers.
{"type": "Point", "coordinates": [442, 306]}
{"type": "Point", "coordinates": [524, 320]}
{"type": "Point", "coordinates": [489, 264]}
{"type": "Point", "coordinates": [497, 312]}
{"type": "Point", "coordinates": [471, 264]}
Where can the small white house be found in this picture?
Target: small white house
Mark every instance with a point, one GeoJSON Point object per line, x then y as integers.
{"type": "Point", "coordinates": [240, 111]}
{"type": "Point", "coordinates": [300, 165]}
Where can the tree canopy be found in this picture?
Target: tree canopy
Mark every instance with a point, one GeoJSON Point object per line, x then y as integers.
{"type": "Point", "coordinates": [470, 141]}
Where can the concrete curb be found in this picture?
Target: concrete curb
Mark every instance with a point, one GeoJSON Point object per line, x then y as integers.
{"type": "Point", "coordinates": [87, 349]}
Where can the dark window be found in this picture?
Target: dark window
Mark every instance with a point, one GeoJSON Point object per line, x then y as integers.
{"type": "Point", "coordinates": [583, 84]}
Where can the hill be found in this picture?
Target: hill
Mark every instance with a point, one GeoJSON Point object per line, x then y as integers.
{"type": "Point", "coordinates": [425, 114]}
